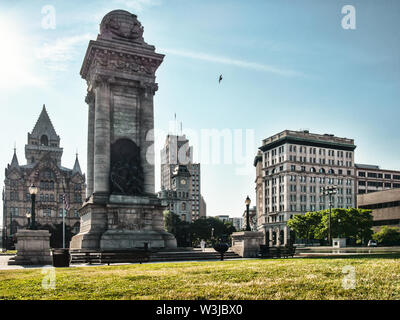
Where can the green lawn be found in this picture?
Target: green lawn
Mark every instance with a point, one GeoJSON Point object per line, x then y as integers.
{"type": "Point", "coordinates": [298, 278]}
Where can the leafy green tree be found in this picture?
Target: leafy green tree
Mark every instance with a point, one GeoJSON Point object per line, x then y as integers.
{"type": "Point", "coordinates": [305, 226]}
{"type": "Point", "coordinates": [354, 224]}
{"type": "Point", "coordinates": [190, 234]}
{"type": "Point", "coordinates": [387, 236]}
{"type": "Point", "coordinates": [180, 229]}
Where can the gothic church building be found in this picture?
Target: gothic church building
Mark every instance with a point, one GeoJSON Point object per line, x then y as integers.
{"type": "Point", "coordinates": [43, 169]}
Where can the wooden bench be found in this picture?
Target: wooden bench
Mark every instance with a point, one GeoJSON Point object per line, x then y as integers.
{"type": "Point", "coordinates": [108, 256]}
{"type": "Point", "coordinates": [126, 256]}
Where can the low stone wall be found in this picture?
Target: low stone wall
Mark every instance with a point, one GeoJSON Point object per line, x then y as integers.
{"type": "Point", "coordinates": [247, 243]}
{"type": "Point", "coordinates": [33, 248]}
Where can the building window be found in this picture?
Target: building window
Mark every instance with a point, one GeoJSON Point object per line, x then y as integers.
{"type": "Point", "coordinates": [44, 141]}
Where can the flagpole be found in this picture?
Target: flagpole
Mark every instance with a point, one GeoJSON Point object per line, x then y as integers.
{"type": "Point", "coordinates": [64, 223]}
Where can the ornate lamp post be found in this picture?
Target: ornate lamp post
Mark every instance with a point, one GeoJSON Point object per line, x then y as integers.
{"type": "Point", "coordinates": [329, 191]}
{"type": "Point", "coordinates": [33, 190]}
{"type": "Point", "coordinates": [247, 202]}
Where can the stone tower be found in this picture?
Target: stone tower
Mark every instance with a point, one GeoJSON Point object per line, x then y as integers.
{"type": "Point", "coordinates": [122, 210]}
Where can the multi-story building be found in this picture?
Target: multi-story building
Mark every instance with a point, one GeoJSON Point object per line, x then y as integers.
{"type": "Point", "coordinates": [385, 206]}
{"type": "Point", "coordinates": [371, 178]}
{"type": "Point", "coordinates": [178, 199]}
{"type": "Point", "coordinates": [177, 151]}
{"type": "Point", "coordinates": [43, 155]}
{"type": "Point", "coordinates": [237, 222]}
{"type": "Point", "coordinates": [292, 168]}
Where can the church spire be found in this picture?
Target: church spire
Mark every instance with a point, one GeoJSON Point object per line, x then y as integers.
{"type": "Point", "coordinates": [77, 167]}
{"type": "Point", "coordinates": [14, 161]}
{"type": "Point", "coordinates": [44, 126]}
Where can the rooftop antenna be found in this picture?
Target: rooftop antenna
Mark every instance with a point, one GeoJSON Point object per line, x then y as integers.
{"type": "Point", "coordinates": [175, 124]}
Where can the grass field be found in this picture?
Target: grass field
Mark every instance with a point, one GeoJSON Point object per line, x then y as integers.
{"type": "Point", "coordinates": [298, 278]}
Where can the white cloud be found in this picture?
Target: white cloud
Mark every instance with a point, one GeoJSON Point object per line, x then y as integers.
{"type": "Point", "coordinates": [233, 62]}
{"type": "Point", "coordinates": [56, 55]}
{"type": "Point", "coordinates": [139, 5]}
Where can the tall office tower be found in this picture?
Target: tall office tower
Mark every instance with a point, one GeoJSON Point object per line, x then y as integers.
{"type": "Point", "coordinates": [177, 151]}
{"type": "Point", "coordinates": [292, 168]}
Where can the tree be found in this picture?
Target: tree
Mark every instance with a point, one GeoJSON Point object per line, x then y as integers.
{"type": "Point", "coordinates": [354, 224]}
{"type": "Point", "coordinates": [56, 234]}
{"type": "Point", "coordinates": [305, 226]}
{"type": "Point", "coordinates": [180, 229]}
{"type": "Point", "coordinates": [387, 236]}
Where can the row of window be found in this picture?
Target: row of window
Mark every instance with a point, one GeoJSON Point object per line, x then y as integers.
{"type": "Point", "coordinates": [303, 198]}
{"type": "Point", "coordinates": [303, 179]}
{"type": "Point", "coordinates": [378, 184]}
{"type": "Point", "coordinates": [305, 208]}
{"type": "Point", "coordinates": [45, 212]}
{"type": "Point", "coordinates": [378, 175]}
{"type": "Point", "coordinates": [311, 150]}
{"type": "Point", "coordinates": [381, 205]}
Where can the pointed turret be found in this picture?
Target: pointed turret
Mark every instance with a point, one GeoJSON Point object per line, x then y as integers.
{"type": "Point", "coordinates": [14, 161]}
{"type": "Point", "coordinates": [77, 167]}
{"type": "Point", "coordinates": [43, 139]}
{"type": "Point", "coordinates": [44, 127]}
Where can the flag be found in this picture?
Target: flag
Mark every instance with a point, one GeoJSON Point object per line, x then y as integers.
{"type": "Point", "coordinates": [66, 202]}
{"type": "Point", "coordinates": [65, 199]}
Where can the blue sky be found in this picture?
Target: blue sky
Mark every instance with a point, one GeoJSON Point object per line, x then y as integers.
{"type": "Point", "coordinates": [286, 65]}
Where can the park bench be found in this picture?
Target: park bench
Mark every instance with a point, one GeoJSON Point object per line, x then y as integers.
{"type": "Point", "coordinates": [114, 256]}
{"type": "Point", "coordinates": [125, 256]}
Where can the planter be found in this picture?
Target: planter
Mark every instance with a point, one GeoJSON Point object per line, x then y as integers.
{"type": "Point", "coordinates": [61, 258]}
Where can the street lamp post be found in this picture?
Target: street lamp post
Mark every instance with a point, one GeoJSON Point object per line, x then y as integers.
{"type": "Point", "coordinates": [33, 190]}
{"type": "Point", "coordinates": [329, 191]}
{"type": "Point", "coordinates": [339, 228]}
{"type": "Point", "coordinates": [247, 202]}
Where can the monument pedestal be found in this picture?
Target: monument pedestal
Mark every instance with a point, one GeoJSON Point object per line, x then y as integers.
{"type": "Point", "coordinates": [247, 243]}
{"type": "Point", "coordinates": [125, 222]}
{"type": "Point", "coordinates": [33, 248]}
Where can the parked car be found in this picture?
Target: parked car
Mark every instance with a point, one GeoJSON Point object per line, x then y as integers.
{"type": "Point", "coordinates": [372, 243]}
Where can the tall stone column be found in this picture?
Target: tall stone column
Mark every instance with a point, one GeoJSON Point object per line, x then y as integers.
{"type": "Point", "coordinates": [147, 135]}
{"type": "Point", "coordinates": [90, 149]}
{"type": "Point", "coordinates": [102, 136]}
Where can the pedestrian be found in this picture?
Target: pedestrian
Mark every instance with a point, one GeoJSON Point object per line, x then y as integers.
{"type": "Point", "coordinates": [202, 244]}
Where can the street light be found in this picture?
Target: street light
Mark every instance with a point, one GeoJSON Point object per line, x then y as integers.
{"type": "Point", "coordinates": [247, 202]}
{"type": "Point", "coordinates": [33, 190]}
{"type": "Point", "coordinates": [338, 228]}
{"type": "Point", "coordinates": [329, 191]}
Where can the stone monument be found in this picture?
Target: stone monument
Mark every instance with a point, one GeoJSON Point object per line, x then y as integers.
{"type": "Point", "coordinates": [33, 248]}
{"type": "Point", "coordinates": [122, 210]}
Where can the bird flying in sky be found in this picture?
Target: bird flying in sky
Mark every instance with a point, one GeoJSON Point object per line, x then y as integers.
{"type": "Point", "coordinates": [220, 78]}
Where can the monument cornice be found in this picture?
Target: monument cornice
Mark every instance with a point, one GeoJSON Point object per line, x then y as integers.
{"type": "Point", "coordinates": [104, 56]}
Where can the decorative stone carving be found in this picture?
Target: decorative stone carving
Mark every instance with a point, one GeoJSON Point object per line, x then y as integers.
{"type": "Point", "coordinates": [118, 62]}
{"type": "Point", "coordinates": [123, 25]}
